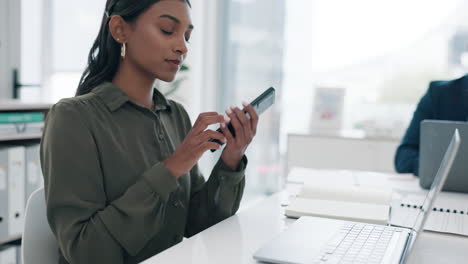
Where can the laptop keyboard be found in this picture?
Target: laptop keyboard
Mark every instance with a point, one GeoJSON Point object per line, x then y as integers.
{"type": "Point", "coordinates": [358, 243]}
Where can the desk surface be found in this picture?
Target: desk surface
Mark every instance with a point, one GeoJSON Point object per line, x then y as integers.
{"type": "Point", "coordinates": [235, 239]}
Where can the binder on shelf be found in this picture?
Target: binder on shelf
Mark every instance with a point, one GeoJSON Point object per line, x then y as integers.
{"type": "Point", "coordinates": [8, 255]}
{"type": "Point", "coordinates": [19, 259]}
{"type": "Point", "coordinates": [16, 189]}
{"type": "Point", "coordinates": [34, 179]}
{"type": "Point", "coordinates": [21, 117]}
{"type": "Point", "coordinates": [3, 194]}
{"type": "Point", "coordinates": [20, 172]}
{"type": "Point", "coordinates": [12, 123]}
{"type": "Point", "coordinates": [13, 129]}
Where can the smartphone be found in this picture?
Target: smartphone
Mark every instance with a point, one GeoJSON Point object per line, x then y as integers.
{"type": "Point", "coordinates": [259, 104]}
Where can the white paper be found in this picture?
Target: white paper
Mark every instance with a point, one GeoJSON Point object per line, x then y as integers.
{"type": "Point", "coordinates": [321, 177]}
{"type": "Point", "coordinates": [347, 194]}
{"type": "Point", "coordinates": [438, 221]}
{"type": "Point", "coordinates": [369, 213]}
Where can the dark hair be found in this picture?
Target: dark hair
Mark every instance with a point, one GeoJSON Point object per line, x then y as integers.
{"type": "Point", "coordinates": [104, 56]}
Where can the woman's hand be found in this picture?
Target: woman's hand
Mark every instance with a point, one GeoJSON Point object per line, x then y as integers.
{"type": "Point", "coordinates": [195, 144]}
{"type": "Point", "coordinates": [245, 130]}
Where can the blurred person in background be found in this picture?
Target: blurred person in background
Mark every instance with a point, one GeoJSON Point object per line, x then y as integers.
{"type": "Point", "coordinates": [444, 100]}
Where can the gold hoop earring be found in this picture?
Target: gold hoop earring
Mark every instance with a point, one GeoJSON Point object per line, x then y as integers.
{"type": "Point", "coordinates": [123, 50]}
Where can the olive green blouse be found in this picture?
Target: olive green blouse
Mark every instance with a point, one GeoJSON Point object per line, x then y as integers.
{"type": "Point", "coordinates": [110, 199]}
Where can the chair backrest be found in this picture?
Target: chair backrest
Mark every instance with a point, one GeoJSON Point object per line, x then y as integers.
{"type": "Point", "coordinates": [38, 245]}
{"type": "Point", "coordinates": [328, 152]}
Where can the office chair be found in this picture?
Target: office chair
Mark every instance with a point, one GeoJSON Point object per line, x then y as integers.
{"type": "Point", "coordinates": [38, 245]}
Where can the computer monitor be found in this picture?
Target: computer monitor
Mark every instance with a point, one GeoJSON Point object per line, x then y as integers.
{"type": "Point", "coordinates": [435, 138]}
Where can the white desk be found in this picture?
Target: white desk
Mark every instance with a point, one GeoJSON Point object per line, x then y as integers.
{"type": "Point", "coordinates": [236, 239]}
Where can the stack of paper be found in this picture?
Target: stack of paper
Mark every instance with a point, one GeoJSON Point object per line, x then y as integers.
{"type": "Point", "coordinates": [340, 202]}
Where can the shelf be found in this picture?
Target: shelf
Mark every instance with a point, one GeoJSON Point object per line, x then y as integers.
{"type": "Point", "coordinates": [25, 136]}
{"type": "Point", "coordinates": [10, 240]}
{"type": "Point", "coordinates": [16, 105]}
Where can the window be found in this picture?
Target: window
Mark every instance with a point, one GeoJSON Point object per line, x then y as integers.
{"type": "Point", "coordinates": [74, 27]}
{"type": "Point", "coordinates": [9, 40]}
{"type": "Point", "coordinates": [251, 61]}
{"type": "Point", "coordinates": [30, 70]}
{"type": "Point", "coordinates": [57, 40]}
{"type": "Point", "coordinates": [56, 37]}
{"type": "Point", "coordinates": [383, 54]}
{"type": "Point", "coordinates": [5, 81]}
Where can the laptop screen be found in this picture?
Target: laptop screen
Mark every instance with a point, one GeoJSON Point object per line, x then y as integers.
{"type": "Point", "coordinates": [438, 182]}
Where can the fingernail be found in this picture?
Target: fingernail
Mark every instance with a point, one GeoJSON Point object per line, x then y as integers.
{"type": "Point", "coordinates": [227, 119]}
{"type": "Point", "coordinates": [244, 103]}
{"type": "Point", "coordinates": [229, 111]}
{"type": "Point", "coordinates": [224, 140]}
{"type": "Point", "coordinates": [223, 125]}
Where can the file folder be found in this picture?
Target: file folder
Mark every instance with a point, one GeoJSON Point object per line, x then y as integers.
{"type": "Point", "coordinates": [34, 179]}
{"type": "Point", "coordinates": [16, 190]}
{"type": "Point", "coordinates": [3, 194]}
{"type": "Point", "coordinates": [8, 255]}
{"type": "Point", "coordinates": [19, 259]}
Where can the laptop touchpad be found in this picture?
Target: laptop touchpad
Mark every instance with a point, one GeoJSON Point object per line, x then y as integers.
{"type": "Point", "coordinates": [301, 242]}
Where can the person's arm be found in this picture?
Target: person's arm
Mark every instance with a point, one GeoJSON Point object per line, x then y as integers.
{"type": "Point", "coordinates": [216, 199]}
{"type": "Point", "coordinates": [219, 197]}
{"type": "Point", "coordinates": [88, 227]}
{"type": "Point", "coordinates": [407, 154]}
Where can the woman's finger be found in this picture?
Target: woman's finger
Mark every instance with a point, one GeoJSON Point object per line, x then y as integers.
{"type": "Point", "coordinates": [244, 121]}
{"type": "Point", "coordinates": [204, 121]}
{"type": "Point", "coordinates": [253, 117]}
{"type": "Point", "coordinates": [210, 134]}
{"type": "Point", "coordinates": [235, 122]}
{"type": "Point", "coordinates": [202, 115]}
{"type": "Point", "coordinates": [225, 130]}
{"type": "Point", "coordinates": [202, 148]}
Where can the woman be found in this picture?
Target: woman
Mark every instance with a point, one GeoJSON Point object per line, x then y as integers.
{"type": "Point", "coordinates": [120, 160]}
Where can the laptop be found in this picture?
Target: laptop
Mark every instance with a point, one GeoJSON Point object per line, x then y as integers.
{"type": "Point", "coordinates": [434, 139]}
{"type": "Point", "coordinates": [322, 240]}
